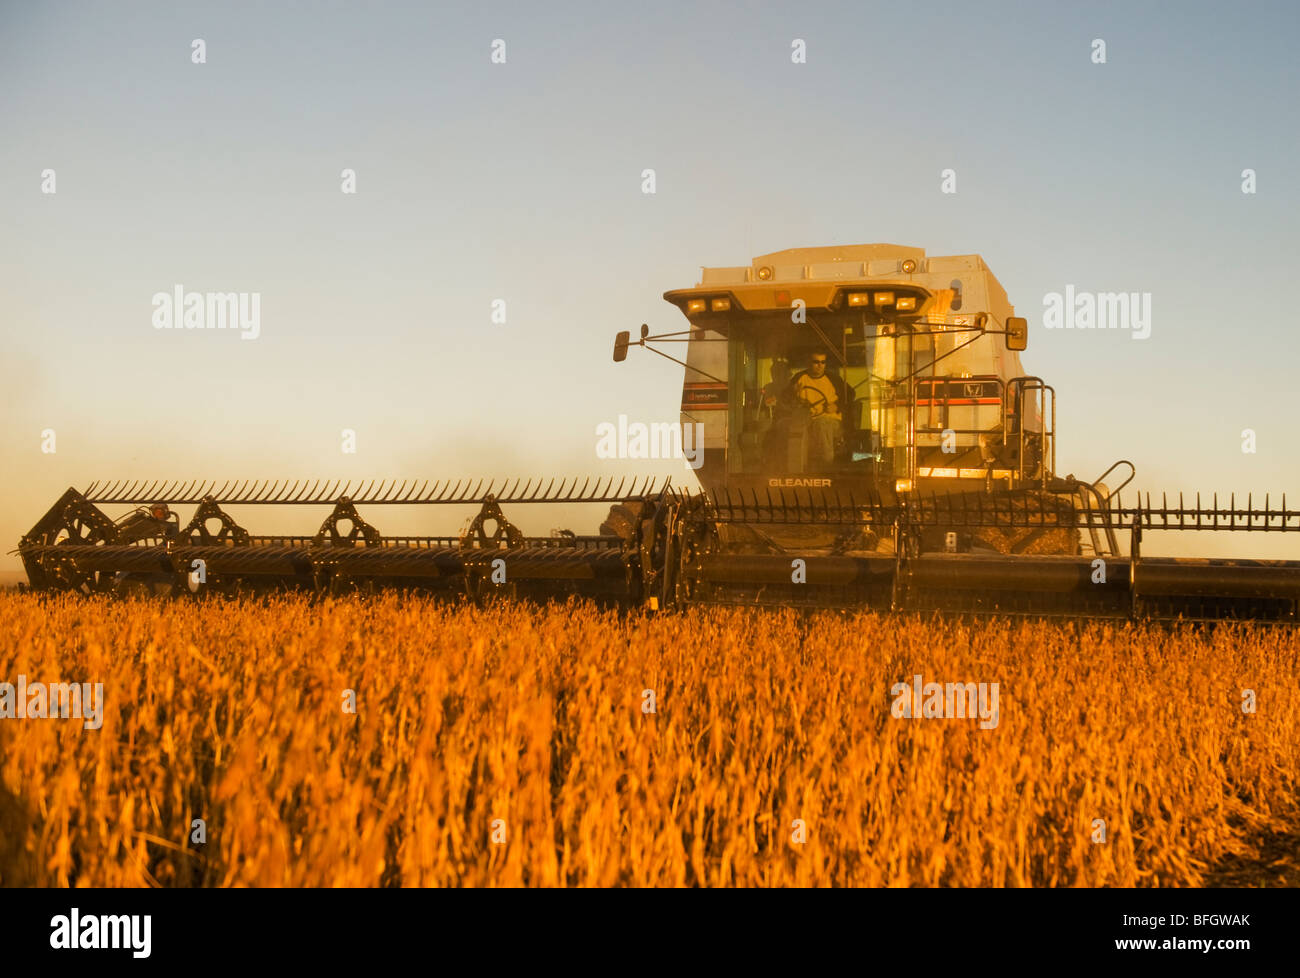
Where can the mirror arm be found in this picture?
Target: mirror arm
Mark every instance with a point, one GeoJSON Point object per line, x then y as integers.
{"type": "Point", "coordinates": [686, 365]}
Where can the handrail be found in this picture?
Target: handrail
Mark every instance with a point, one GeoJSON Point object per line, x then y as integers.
{"type": "Point", "coordinates": [1102, 478]}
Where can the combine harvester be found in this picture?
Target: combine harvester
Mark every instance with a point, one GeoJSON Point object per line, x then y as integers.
{"type": "Point", "coordinates": [912, 469]}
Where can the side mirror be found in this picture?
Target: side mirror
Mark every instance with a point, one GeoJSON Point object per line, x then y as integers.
{"type": "Point", "coordinates": [620, 346]}
{"type": "Point", "coordinates": [1017, 333]}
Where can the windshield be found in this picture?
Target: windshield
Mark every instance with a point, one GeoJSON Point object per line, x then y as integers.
{"type": "Point", "coordinates": [832, 396]}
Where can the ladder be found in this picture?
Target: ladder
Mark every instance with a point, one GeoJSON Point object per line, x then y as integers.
{"type": "Point", "coordinates": [1096, 528]}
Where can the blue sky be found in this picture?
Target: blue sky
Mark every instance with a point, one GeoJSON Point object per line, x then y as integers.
{"type": "Point", "coordinates": [521, 181]}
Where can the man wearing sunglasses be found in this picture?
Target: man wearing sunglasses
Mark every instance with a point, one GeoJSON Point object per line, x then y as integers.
{"type": "Point", "coordinates": [827, 399]}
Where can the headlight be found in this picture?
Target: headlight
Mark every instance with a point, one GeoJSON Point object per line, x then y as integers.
{"type": "Point", "coordinates": [859, 298]}
{"type": "Point", "coordinates": [884, 298]}
{"type": "Point", "coordinates": [695, 305]}
{"type": "Point", "coordinates": [721, 305]}
{"type": "Point", "coordinates": [906, 303]}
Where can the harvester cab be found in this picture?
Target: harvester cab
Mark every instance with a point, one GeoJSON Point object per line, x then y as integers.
{"type": "Point", "coordinates": [866, 371]}
{"type": "Point", "coordinates": [924, 353]}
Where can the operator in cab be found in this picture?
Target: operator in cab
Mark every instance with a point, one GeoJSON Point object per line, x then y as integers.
{"type": "Point", "coordinates": [828, 401]}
